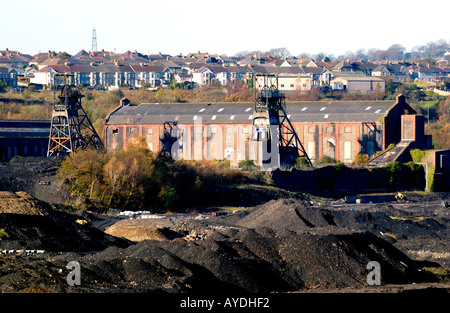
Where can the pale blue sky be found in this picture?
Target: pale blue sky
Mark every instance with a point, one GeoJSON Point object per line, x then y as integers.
{"type": "Point", "coordinates": [223, 27]}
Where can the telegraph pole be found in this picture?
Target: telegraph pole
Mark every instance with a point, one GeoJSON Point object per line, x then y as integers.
{"type": "Point", "coordinates": [94, 41]}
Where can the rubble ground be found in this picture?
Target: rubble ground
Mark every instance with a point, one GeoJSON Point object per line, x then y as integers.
{"type": "Point", "coordinates": [283, 245]}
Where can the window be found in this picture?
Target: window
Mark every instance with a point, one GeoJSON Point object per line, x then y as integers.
{"type": "Point", "coordinates": [292, 85]}
{"type": "Point", "coordinates": [347, 129]}
{"type": "Point", "coordinates": [311, 129]}
{"type": "Point", "coordinates": [370, 148]}
{"type": "Point", "coordinates": [282, 85]}
{"type": "Point", "coordinates": [329, 129]}
{"type": "Point", "coordinates": [115, 131]}
{"type": "Point", "coordinates": [347, 150]}
{"type": "Point", "coordinates": [311, 150]}
{"type": "Point", "coordinates": [149, 131]}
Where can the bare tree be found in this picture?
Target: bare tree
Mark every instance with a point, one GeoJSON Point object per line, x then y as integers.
{"type": "Point", "coordinates": [279, 52]}
{"type": "Point", "coordinates": [241, 54]}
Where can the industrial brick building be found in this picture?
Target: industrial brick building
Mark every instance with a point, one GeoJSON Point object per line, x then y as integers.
{"type": "Point", "coordinates": [23, 138]}
{"type": "Point", "coordinates": [337, 129]}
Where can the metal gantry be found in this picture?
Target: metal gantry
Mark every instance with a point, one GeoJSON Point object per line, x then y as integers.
{"type": "Point", "coordinates": [277, 143]}
{"type": "Point", "coordinates": [70, 128]}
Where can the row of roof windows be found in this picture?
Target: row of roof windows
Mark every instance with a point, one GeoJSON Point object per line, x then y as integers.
{"type": "Point", "coordinates": [232, 117]}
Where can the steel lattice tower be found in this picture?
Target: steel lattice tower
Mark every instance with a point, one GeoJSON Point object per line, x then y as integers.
{"type": "Point", "coordinates": [277, 143]}
{"type": "Point", "coordinates": [94, 41]}
{"type": "Point", "coordinates": [70, 128]}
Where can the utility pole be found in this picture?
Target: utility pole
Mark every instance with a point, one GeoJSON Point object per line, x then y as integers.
{"type": "Point", "coordinates": [94, 41]}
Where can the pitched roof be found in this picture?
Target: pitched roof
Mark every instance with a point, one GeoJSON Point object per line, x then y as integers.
{"type": "Point", "coordinates": [147, 68]}
{"type": "Point", "coordinates": [277, 70]}
{"type": "Point", "coordinates": [81, 53]}
{"type": "Point", "coordinates": [358, 79]}
{"type": "Point", "coordinates": [241, 113]}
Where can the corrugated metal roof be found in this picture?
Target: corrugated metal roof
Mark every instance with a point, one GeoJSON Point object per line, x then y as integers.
{"type": "Point", "coordinates": [236, 113]}
{"type": "Point", "coordinates": [24, 129]}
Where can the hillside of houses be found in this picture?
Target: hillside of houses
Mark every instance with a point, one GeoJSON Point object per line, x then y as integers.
{"type": "Point", "coordinates": [109, 70]}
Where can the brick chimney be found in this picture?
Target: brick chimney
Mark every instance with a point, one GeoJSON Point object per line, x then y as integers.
{"type": "Point", "coordinates": [124, 102]}
{"type": "Point", "coordinates": [401, 99]}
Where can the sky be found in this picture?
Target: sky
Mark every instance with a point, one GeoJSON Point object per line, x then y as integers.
{"type": "Point", "coordinates": [221, 27]}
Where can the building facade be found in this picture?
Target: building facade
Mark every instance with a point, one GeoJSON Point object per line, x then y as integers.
{"type": "Point", "coordinates": [23, 138]}
{"type": "Point", "coordinates": [336, 129]}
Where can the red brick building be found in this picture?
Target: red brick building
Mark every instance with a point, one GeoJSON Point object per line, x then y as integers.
{"type": "Point", "coordinates": [337, 129]}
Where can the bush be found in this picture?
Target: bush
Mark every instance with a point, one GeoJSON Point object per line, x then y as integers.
{"type": "Point", "coordinates": [361, 159]}
{"type": "Point", "coordinates": [417, 155]}
{"type": "Point", "coordinates": [247, 164]}
{"type": "Point", "coordinates": [326, 160]}
{"type": "Point", "coordinates": [339, 167]}
{"type": "Point", "coordinates": [134, 179]}
{"type": "Point", "coordinates": [301, 161]}
{"type": "Point", "coordinates": [168, 196]}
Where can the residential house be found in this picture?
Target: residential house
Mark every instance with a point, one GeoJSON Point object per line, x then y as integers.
{"type": "Point", "coordinates": [326, 76]}
{"type": "Point", "coordinates": [210, 74]}
{"type": "Point", "coordinates": [344, 66]}
{"type": "Point", "coordinates": [238, 74]}
{"type": "Point", "coordinates": [185, 79]}
{"type": "Point", "coordinates": [420, 72]}
{"type": "Point", "coordinates": [14, 58]}
{"type": "Point", "coordinates": [315, 74]}
{"type": "Point", "coordinates": [149, 74]}
{"type": "Point", "coordinates": [364, 85]}
{"type": "Point", "coordinates": [289, 83]}
{"type": "Point", "coordinates": [106, 74]}
{"type": "Point", "coordinates": [8, 76]}
{"type": "Point", "coordinates": [125, 76]}
{"type": "Point", "coordinates": [381, 70]}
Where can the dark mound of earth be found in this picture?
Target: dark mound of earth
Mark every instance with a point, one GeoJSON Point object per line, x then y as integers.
{"type": "Point", "coordinates": [244, 260]}
{"type": "Point", "coordinates": [285, 245]}
{"type": "Point", "coordinates": [293, 215]}
{"type": "Point", "coordinates": [28, 223]}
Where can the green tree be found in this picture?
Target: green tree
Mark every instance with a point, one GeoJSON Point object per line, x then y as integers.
{"type": "Point", "coordinates": [3, 86]}
{"type": "Point", "coordinates": [83, 175]}
{"type": "Point", "coordinates": [160, 95]}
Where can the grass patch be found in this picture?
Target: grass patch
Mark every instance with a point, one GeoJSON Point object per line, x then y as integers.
{"type": "Point", "coordinates": [414, 219]}
{"type": "Point", "coordinates": [3, 234]}
{"type": "Point", "coordinates": [442, 273]}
